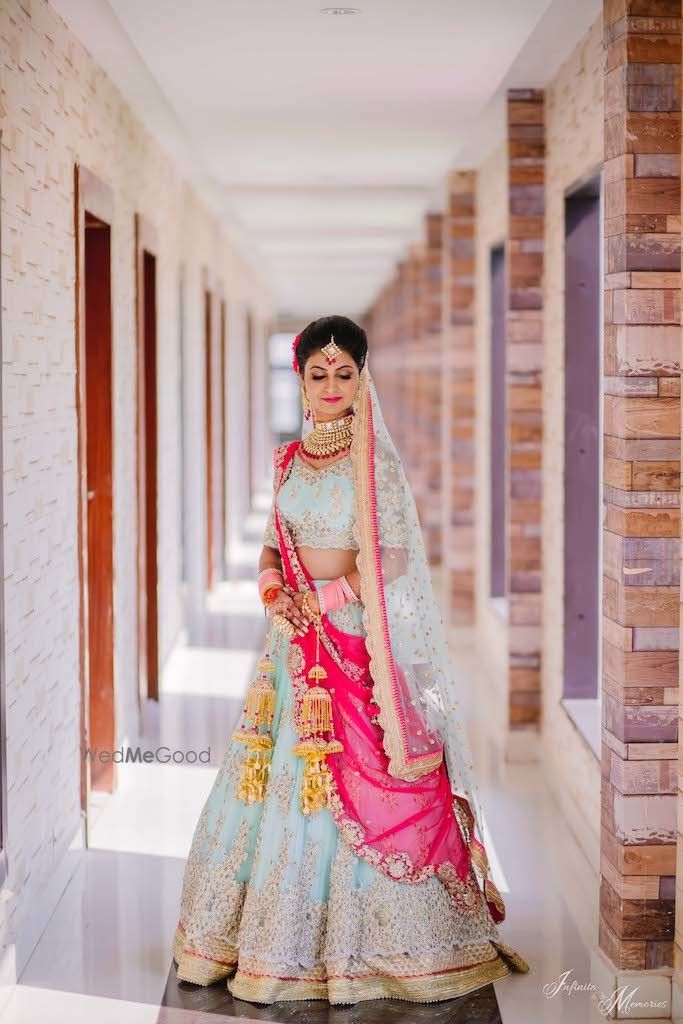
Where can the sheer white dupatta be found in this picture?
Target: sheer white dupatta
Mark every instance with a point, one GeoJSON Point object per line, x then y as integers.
{"type": "Point", "coordinates": [415, 684]}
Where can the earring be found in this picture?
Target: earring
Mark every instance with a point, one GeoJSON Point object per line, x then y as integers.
{"type": "Point", "coordinates": [305, 404]}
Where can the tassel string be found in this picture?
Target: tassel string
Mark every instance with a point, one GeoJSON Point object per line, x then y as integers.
{"type": "Point", "coordinates": [317, 739]}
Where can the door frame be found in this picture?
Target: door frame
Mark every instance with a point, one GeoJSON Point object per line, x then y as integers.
{"type": "Point", "coordinates": [222, 307]}
{"type": "Point", "coordinates": [208, 322]}
{"type": "Point", "coordinates": [250, 336]}
{"type": "Point", "coordinates": [214, 428]}
{"type": "Point", "coordinates": [97, 197]}
{"type": "Point", "coordinates": [146, 242]}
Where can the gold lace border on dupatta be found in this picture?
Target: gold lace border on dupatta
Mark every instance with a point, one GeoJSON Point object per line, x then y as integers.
{"type": "Point", "coordinates": [374, 616]}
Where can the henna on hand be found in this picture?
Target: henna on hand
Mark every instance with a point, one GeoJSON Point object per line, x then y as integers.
{"type": "Point", "coordinates": [285, 605]}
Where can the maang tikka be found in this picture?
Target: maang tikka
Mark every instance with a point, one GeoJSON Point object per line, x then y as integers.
{"type": "Point", "coordinates": [331, 351]}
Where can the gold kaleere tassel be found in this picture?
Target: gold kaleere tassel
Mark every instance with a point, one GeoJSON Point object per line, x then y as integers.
{"type": "Point", "coordinates": [255, 770]}
{"type": "Point", "coordinates": [261, 694]}
{"type": "Point", "coordinates": [316, 709]}
{"type": "Point", "coordinates": [316, 721]}
{"type": "Point", "coordinates": [259, 709]}
{"type": "Point", "coordinates": [316, 779]}
{"type": "Point", "coordinates": [317, 671]}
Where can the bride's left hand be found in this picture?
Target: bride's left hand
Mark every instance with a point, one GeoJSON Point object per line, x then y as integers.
{"type": "Point", "coordinates": [312, 601]}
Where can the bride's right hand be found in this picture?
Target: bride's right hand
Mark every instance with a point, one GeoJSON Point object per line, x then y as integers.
{"type": "Point", "coordinates": [285, 605]}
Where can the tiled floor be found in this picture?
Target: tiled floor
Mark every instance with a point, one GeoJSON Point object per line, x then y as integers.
{"type": "Point", "coordinates": [105, 955]}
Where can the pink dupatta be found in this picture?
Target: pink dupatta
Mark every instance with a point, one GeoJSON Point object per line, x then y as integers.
{"type": "Point", "coordinates": [407, 829]}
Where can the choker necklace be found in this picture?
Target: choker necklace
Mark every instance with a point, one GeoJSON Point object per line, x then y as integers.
{"type": "Point", "coordinates": [328, 437]}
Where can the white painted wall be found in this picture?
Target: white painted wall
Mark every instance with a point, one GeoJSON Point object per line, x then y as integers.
{"type": "Point", "coordinates": [57, 107]}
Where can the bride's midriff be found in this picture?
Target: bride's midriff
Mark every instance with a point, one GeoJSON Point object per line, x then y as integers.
{"type": "Point", "coordinates": [327, 563]}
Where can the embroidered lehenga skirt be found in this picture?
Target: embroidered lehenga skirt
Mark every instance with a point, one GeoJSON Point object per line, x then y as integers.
{"type": "Point", "coordinates": [277, 905]}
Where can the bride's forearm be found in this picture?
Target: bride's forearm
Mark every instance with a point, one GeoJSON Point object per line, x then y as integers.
{"type": "Point", "coordinates": [354, 581]}
{"type": "Point", "coordinates": [270, 559]}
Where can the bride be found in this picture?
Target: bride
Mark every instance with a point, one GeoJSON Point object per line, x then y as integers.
{"type": "Point", "coordinates": [339, 853]}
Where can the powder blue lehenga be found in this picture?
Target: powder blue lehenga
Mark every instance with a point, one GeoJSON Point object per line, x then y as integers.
{"type": "Point", "coordinates": [275, 901]}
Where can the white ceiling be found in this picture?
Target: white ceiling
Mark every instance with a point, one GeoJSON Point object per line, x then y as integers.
{"type": "Point", "coordinates": [323, 140]}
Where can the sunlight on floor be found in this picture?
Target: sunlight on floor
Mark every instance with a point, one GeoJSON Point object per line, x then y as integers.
{"type": "Point", "coordinates": [208, 671]}
{"type": "Point", "coordinates": [28, 1004]}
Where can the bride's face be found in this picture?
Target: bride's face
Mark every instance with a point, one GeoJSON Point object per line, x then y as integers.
{"type": "Point", "coordinates": [323, 383]}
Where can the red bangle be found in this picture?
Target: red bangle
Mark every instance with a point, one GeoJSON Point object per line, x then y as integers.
{"type": "Point", "coordinates": [270, 593]}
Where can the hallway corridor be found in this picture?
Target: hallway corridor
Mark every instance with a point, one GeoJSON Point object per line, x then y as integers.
{"type": "Point", "coordinates": [483, 203]}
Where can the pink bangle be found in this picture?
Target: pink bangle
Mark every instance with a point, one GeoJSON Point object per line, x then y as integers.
{"type": "Point", "coordinates": [348, 589]}
{"type": "Point", "coordinates": [269, 574]}
{"type": "Point", "coordinates": [269, 577]}
{"type": "Point", "coordinates": [332, 596]}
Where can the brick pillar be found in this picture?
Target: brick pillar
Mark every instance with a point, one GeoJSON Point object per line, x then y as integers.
{"type": "Point", "coordinates": [429, 374]}
{"type": "Point", "coordinates": [382, 352]}
{"type": "Point", "coordinates": [458, 354]}
{"type": "Point", "coordinates": [411, 441]}
{"type": "Point", "coordinates": [641, 476]}
{"type": "Point", "coordinates": [400, 426]}
{"type": "Point", "coordinates": [524, 357]}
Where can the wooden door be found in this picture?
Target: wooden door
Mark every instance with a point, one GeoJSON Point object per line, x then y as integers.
{"type": "Point", "coordinates": [93, 217]}
{"type": "Point", "coordinates": [147, 564]}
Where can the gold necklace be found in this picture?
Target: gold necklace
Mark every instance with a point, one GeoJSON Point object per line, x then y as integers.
{"type": "Point", "coordinates": [328, 437]}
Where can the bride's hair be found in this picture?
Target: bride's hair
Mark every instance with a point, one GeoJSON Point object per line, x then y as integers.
{"type": "Point", "coordinates": [347, 334]}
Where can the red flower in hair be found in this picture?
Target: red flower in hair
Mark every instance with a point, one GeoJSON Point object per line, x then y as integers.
{"type": "Point", "coordinates": [294, 344]}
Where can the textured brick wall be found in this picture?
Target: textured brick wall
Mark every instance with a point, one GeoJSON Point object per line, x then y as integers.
{"type": "Point", "coordinates": [458, 393]}
{"type": "Point", "coordinates": [524, 406]}
{"type": "Point", "coordinates": [405, 360]}
{"type": "Point", "coordinates": [574, 130]}
{"type": "Point", "coordinates": [642, 488]}
{"type": "Point", "coordinates": [412, 443]}
{"type": "Point", "coordinates": [490, 229]}
{"type": "Point", "coordinates": [57, 107]}
{"type": "Point", "coordinates": [424, 363]}
{"type": "Point", "coordinates": [389, 336]}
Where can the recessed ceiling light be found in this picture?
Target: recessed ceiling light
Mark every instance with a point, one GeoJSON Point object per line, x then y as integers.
{"type": "Point", "coordinates": [340, 10]}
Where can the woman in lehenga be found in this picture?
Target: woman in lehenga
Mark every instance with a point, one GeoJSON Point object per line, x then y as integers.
{"type": "Point", "coordinates": [339, 853]}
